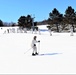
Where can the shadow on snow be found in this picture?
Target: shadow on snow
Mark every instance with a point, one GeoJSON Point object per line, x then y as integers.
{"type": "Point", "coordinates": [46, 54]}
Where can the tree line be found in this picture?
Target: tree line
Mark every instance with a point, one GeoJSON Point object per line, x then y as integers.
{"type": "Point", "coordinates": [55, 20]}
{"type": "Point", "coordinates": [63, 20]}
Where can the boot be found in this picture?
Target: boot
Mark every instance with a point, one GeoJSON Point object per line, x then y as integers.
{"type": "Point", "coordinates": [36, 53]}
{"type": "Point", "coordinates": [33, 54]}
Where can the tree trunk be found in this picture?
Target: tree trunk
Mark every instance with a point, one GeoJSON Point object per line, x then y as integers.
{"type": "Point", "coordinates": [57, 27]}
{"type": "Point", "coordinates": [73, 27]}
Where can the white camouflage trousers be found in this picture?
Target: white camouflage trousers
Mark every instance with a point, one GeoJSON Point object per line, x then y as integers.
{"type": "Point", "coordinates": [34, 49]}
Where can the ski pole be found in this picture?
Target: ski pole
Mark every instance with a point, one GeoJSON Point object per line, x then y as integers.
{"type": "Point", "coordinates": [27, 50]}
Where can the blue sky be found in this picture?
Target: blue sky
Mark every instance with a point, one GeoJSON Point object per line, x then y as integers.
{"type": "Point", "coordinates": [11, 10]}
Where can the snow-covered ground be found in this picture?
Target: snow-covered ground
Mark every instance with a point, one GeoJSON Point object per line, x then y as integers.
{"type": "Point", "coordinates": [57, 54]}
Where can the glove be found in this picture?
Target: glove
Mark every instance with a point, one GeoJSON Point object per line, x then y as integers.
{"type": "Point", "coordinates": [39, 41]}
{"type": "Point", "coordinates": [34, 44]}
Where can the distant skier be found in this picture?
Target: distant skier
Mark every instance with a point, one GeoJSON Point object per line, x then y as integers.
{"type": "Point", "coordinates": [34, 41]}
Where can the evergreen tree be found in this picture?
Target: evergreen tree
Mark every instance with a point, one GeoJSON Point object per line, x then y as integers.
{"type": "Point", "coordinates": [1, 23]}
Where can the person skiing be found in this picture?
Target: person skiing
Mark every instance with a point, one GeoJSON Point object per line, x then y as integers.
{"type": "Point", "coordinates": [34, 41]}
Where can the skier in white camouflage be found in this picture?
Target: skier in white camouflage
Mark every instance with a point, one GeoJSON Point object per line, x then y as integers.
{"type": "Point", "coordinates": [34, 41]}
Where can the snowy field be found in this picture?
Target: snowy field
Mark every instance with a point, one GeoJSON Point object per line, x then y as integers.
{"type": "Point", "coordinates": [57, 54]}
